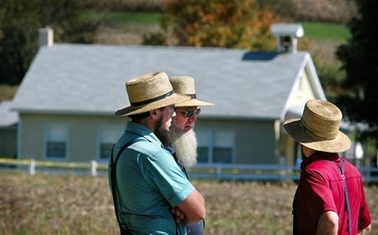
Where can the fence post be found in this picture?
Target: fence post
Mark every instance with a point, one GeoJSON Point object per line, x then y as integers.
{"type": "Point", "coordinates": [283, 168]}
{"type": "Point", "coordinates": [219, 171]}
{"type": "Point", "coordinates": [32, 167]}
{"type": "Point", "coordinates": [94, 168]}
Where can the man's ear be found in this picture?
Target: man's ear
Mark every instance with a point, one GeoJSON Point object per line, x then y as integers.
{"type": "Point", "coordinates": [155, 114]}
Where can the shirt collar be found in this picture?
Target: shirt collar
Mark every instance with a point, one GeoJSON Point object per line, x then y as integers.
{"type": "Point", "coordinates": [318, 155]}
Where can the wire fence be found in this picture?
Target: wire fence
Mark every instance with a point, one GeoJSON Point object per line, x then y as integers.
{"type": "Point", "coordinates": [248, 172]}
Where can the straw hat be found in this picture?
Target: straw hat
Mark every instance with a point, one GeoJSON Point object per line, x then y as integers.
{"type": "Point", "coordinates": [318, 128]}
{"type": "Point", "coordinates": [148, 92]}
{"type": "Point", "coordinates": [185, 85]}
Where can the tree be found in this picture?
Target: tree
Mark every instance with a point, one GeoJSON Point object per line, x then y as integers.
{"type": "Point", "coordinates": [359, 58]}
{"type": "Point", "coordinates": [20, 21]}
{"type": "Point", "coordinates": [214, 23]}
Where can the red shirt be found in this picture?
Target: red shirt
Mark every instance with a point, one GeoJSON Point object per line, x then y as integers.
{"type": "Point", "coordinates": [320, 189]}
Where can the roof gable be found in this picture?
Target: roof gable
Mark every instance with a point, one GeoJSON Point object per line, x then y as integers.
{"type": "Point", "coordinates": [73, 78]}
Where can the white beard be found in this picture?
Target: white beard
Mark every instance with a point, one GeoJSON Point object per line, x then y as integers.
{"type": "Point", "coordinates": [185, 145]}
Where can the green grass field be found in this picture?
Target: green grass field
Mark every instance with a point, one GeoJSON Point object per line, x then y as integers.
{"type": "Point", "coordinates": [70, 205]}
{"type": "Point", "coordinates": [112, 17]}
{"type": "Point", "coordinates": [326, 31]}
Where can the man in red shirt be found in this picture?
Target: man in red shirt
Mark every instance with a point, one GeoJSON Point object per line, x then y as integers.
{"type": "Point", "coordinates": [330, 197]}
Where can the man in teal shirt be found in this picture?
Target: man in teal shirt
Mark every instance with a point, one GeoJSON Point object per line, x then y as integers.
{"type": "Point", "coordinates": [145, 180]}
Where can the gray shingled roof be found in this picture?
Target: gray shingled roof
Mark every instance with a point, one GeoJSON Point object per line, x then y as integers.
{"type": "Point", "coordinates": [90, 79]}
{"type": "Point", "coordinates": [7, 117]}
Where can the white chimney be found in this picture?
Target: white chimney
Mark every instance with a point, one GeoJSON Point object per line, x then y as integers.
{"type": "Point", "coordinates": [46, 37]}
{"type": "Point", "coordinates": [287, 36]}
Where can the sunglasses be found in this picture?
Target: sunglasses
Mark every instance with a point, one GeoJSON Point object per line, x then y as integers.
{"type": "Point", "coordinates": [190, 112]}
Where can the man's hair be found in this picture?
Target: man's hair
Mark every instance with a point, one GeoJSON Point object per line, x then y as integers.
{"type": "Point", "coordinates": [139, 116]}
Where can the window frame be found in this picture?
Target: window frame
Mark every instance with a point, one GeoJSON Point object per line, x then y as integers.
{"type": "Point", "coordinates": [112, 133]}
{"type": "Point", "coordinates": [56, 133]}
{"type": "Point", "coordinates": [210, 143]}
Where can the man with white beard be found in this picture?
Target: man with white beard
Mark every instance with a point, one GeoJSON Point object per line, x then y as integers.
{"type": "Point", "coordinates": [184, 140]}
{"type": "Point", "coordinates": [185, 145]}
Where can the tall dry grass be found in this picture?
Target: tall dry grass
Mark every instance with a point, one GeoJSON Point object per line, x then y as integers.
{"type": "Point", "coordinates": [65, 205]}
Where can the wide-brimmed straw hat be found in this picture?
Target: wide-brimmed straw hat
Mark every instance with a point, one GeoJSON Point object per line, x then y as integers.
{"type": "Point", "coordinates": [318, 128]}
{"type": "Point", "coordinates": [184, 85]}
{"type": "Point", "coordinates": [148, 92]}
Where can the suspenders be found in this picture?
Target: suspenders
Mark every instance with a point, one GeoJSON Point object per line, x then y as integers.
{"type": "Point", "coordinates": [346, 195]}
{"type": "Point", "coordinates": [347, 203]}
{"type": "Point", "coordinates": [113, 164]}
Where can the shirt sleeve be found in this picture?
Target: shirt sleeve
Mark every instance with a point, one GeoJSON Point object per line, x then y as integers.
{"type": "Point", "coordinates": [318, 196]}
{"type": "Point", "coordinates": [165, 174]}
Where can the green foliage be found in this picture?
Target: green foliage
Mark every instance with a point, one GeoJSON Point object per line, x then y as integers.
{"type": "Point", "coordinates": [330, 77]}
{"type": "Point", "coordinates": [360, 61]}
{"type": "Point", "coordinates": [20, 21]}
{"type": "Point", "coordinates": [158, 38]}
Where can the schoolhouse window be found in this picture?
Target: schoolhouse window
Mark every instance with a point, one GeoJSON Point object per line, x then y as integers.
{"type": "Point", "coordinates": [108, 136]}
{"type": "Point", "coordinates": [203, 149]}
{"type": "Point", "coordinates": [105, 150]}
{"type": "Point", "coordinates": [56, 141]}
{"type": "Point", "coordinates": [215, 146]}
{"type": "Point", "coordinates": [223, 147]}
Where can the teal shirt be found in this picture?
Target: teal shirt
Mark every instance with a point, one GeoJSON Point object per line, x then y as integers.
{"type": "Point", "coordinates": [149, 183]}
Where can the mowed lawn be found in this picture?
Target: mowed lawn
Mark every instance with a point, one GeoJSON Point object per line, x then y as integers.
{"type": "Point", "coordinates": [57, 204]}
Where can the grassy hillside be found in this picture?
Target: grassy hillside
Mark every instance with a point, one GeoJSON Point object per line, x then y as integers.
{"type": "Point", "coordinates": [69, 205]}
{"type": "Point", "coordinates": [326, 31]}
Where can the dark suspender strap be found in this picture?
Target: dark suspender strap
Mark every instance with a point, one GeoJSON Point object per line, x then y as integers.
{"type": "Point", "coordinates": [346, 195]}
{"type": "Point", "coordinates": [295, 218]}
{"type": "Point", "coordinates": [113, 164]}
{"type": "Point", "coordinates": [347, 203]}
